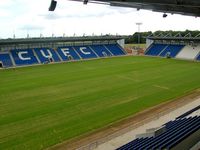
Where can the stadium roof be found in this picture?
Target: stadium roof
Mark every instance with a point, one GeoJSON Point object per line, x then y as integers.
{"type": "Point", "coordinates": [184, 7]}
{"type": "Point", "coordinates": [178, 36]}
{"type": "Point", "coordinates": [59, 39]}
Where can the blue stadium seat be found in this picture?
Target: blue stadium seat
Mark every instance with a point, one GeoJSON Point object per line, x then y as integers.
{"type": "Point", "coordinates": [173, 50]}
{"type": "Point", "coordinates": [85, 52]}
{"type": "Point", "coordinates": [6, 60]}
{"type": "Point", "coordinates": [100, 50]}
{"type": "Point", "coordinates": [191, 129]}
{"type": "Point", "coordinates": [155, 49]}
{"type": "Point", "coordinates": [165, 137]}
{"type": "Point", "coordinates": [46, 55]}
{"type": "Point", "coordinates": [198, 58]}
{"type": "Point", "coordinates": [24, 57]}
{"type": "Point", "coordinates": [175, 132]}
{"type": "Point", "coordinates": [171, 129]}
{"type": "Point", "coordinates": [115, 49]}
{"type": "Point", "coordinates": [67, 53]}
{"type": "Point", "coordinates": [180, 133]}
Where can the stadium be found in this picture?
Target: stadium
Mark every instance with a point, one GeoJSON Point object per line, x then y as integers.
{"type": "Point", "coordinates": [91, 92]}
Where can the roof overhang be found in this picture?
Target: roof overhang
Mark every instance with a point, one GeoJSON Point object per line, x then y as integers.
{"type": "Point", "coordinates": [59, 39]}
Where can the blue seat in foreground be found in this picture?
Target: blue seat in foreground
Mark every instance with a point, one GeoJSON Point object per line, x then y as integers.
{"type": "Point", "coordinates": [176, 131]}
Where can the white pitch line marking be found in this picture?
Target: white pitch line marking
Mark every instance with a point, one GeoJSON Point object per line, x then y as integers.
{"type": "Point", "coordinates": [161, 87]}
{"type": "Point", "coordinates": [128, 78]}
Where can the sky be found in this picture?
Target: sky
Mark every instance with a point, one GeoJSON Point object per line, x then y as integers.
{"type": "Point", "coordinates": [22, 17]}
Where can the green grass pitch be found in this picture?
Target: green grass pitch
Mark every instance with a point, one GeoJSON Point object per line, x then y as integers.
{"type": "Point", "coordinates": [41, 106]}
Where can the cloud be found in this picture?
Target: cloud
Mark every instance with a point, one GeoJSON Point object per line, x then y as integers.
{"type": "Point", "coordinates": [74, 17]}
{"type": "Point", "coordinates": [54, 16]}
{"type": "Point", "coordinates": [78, 10]}
{"type": "Point", "coordinates": [67, 9]}
{"type": "Point", "coordinates": [31, 27]}
{"type": "Point", "coordinates": [51, 16]}
{"type": "Point", "coordinates": [6, 4]}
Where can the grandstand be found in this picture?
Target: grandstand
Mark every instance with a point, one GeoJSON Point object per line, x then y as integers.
{"type": "Point", "coordinates": [174, 46]}
{"type": "Point", "coordinates": [26, 52]}
{"type": "Point", "coordinates": [181, 133]}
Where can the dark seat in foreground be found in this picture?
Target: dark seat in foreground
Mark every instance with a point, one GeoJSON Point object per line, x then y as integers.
{"type": "Point", "coordinates": [176, 132]}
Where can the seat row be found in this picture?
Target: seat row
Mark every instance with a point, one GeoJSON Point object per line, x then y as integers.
{"type": "Point", "coordinates": [163, 50]}
{"type": "Point", "coordinates": [176, 131]}
{"type": "Point", "coordinates": [189, 112]}
{"type": "Point", "coordinates": [22, 57]}
{"type": "Point", "coordinates": [198, 58]}
{"type": "Point", "coordinates": [175, 51]}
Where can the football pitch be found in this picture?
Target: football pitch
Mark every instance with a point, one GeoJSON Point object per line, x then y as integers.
{"type": "Point", "coordinates": [44, 105]}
